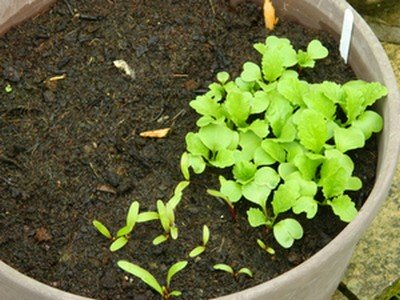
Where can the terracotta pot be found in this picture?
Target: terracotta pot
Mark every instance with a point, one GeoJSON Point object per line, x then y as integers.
{"type": "Point", "coordinates": [319, 276]}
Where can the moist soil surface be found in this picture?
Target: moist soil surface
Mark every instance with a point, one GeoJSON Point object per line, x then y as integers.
{"type": "Point", "coordinates": [70, 149]}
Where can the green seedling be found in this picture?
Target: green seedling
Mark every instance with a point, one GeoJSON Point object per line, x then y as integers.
{"type": "Point", "coordinates": [263, 246]}
{"type": "Point", "coordinates": [200, 249]}
{"type": "Point", "coordinates": [285, 140]}
{"type": "Point", "coordinates": [229, 269]}
{"type": "Point", "coordinates": [8, 88]}
{"type": "Point", "coordinates": [165, 290]}
{"type": "Point", "coordinates": [166, 214]}
{"type": "Point", "coordinates": [123, 234]}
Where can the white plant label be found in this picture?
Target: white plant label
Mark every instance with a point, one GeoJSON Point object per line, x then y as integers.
{"type": "Point", "coordinates": [347, 31]}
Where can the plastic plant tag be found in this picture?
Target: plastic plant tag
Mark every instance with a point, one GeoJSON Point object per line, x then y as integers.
{"type": "Point", "coordinates": [347, 30]}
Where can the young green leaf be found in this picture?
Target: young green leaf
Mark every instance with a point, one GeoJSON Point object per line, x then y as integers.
{"type": "Point", "coordinates": [348, 138]}
{"type": "Point", "coordinates": [224, 267]}
{"type": "Point", "coordinates": [344, 208]}
{"type": "Point", "coordinates": [251, 72]}
{"type": "Point", "coordinates": [223, 77]}
{"type": "Point", "coordinates": [316, 50]}
{"type": "Point", "coordinates": [287, 231]}
{"type": "Point", "coordinates": [147, 216]}
{"type": "Point", "coordinates": [206, 235]}
{"type": "Point", "coordinates": [177, 197]}
{"type": "Point", "coordinates": [274, 149]}
{"type": "Point", "coordinates": [313, 130]}
{"type": "Point", "coordinates": [255, 193]}
{"type": "Point", "coordinates": [205, 105]}
{"type": "Point", "coordinates": [285, 196]}
{"type": "Point", "coordinates": [175, 268]}
{"type": "Point", "coordinates": [159, 239]}
{"type": "Point", "coordinates": [174, 232]}
{"type": "Point", "coordinates": [197, 251]}
{"type": "Point", "coordinates": [118, 243]}
{"type": "Point", "coordinates": [237, 105]}
{"type": "Point", "coordinates": [185, 165]}
{"type": "Point", "coordinates": [230, 189]}
{"type": "Point", "coordinates": [195, 146]}
{"type": "Point", "coordinates": [245, 271]}
{"type": "Point", "coordinates": [267, 176]}
{"type": "Point", "coordinates": [368, 122]}
{"type": "Point", "coordinates": [132, 215]}
{"type": "Point", "coordinates": [102, 229]}
{"type": "Point", "coordinates": [256, 217]}
{"type": "Point", "coordinates": [307, 205]}
{"type": "Point", "coordinates": [163, 215]}
{"type": "Point", "coordinates": [217, 137]}
{"type": "Point", "coordinates": [260, 102]}
{"type": "Point", "coordinates": [263, 246]}
{"type": "Point", "coordinates": [293, 89]}
{"type": "Point", "coordinates": [142, 274]}
{"type": "Point", "coordinates": [244, 171]}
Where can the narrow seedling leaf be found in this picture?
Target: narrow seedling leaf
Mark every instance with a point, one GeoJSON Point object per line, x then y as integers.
{"type": "Point", "coordinates": [246, 271]}
{"type": "Point", "coordinates": [174, 232]}
{"type": "Point", "coordinates": [142, 274]}
{"type": "Point", "coordinates": [206, 235]}
{"type": "Point", "coordinates": [174, 269]}
{"type": "Point", "coordinates": [132, 215]}
{"type": "Point", "coordinates": [102, 229]}
{"type": "Point", "coordinates": [197, 251]}
{"type": "Point", "coordinates": [118, 243]}
{"type": "Point", "coordinates": [147, 216]}
{"type": "Point", "coordinates": [159, 239]}
{"type": "Point", "coordinates": [263, 246]}
{"type": "Point", "coordinates": [224, 267]}
{"type": "Point", "coordinates": [185, 165]}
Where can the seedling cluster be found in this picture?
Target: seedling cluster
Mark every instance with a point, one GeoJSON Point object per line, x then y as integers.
{"type": "Point", "coordinates": [283, 139]}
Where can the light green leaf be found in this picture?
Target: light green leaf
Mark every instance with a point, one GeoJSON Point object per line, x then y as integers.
{"type": "Point", "coordinates": [223, 77]}
{"type": "Point", "coordinates": [216, 137]}
{"type": "Point", "coordinates": [102, 229]}
{"type": "Point", "coordinates": [224, 158]}
{"type": "Point", "coordinates": [348, 138]}
{"type": "Point", "coordinates": [132, 215]}
{"type": "Point", "coordinates": [344, 208]}
{"type": "Point", "coordinates": [255, 193]}
{"type": "Point", "coordinates": [293, 89]}
{"type": "Point", "coordinates": [306, 204]}
{"type": "Point", "coordinates": [175, 293]}
{"type": "Point", "coordinates": [274, 149]}
{"type": "Point", "coordinates": [312, 130]}
{"type": "Point", "coordinates": [305, 60]}
{"type": "Point", "coordinates": [249, 142]}
{"type": "Point", "coordinates": [197, 163]}
{"type": "Point", "coordinates": [268, 177]}
{"type": "Point", "coordinates": [285, 197]}
{"type": "Point", "coordinates": [147, 216]}
{"type": "Point", "coordinates": [223, 267]}
{"type": "Point", "coordinates": [205, 105]}
{"type": "Point", "coordinates": [260, 102]}
{"type": "Point", "coordinates": [256, 217]}
{"type": "Point", "coordinates": [246, 271]}
{"type": "Point", "coordinates": [231, 189]}
{"type": "Point", "coordinates": [163, 215]}
{"type": "Point", "coordinates": [319, 102]}
{"type": "Point", "coordinates": [195, 146]}
{"type": "Point", "coordinates": [118, 243]}
{"type": "Point", "coordinates": [316, 50]}
{"type": "Point", "coordinates": [197, 251]}
{"type": "Point", "coordinates": [353, 104]}
{"type": "Point", "coordinates": [177, 197]}
{"type": "Point", "coordinates": [286, 169]}
{"type": "Point", "coordinates": [251, 72]}
{"type": "Point", "coordinates": [142, 274]}
{"type": "Point", "coordinates": [175, 268]}
{"type": "Point", "coordinates": [159, 239]}
{"type": "Point", "coordinates": [262, 158]}
{"type": "Point", "coordinates": [331, 90]}
{"type": "Point", "coordinates": [368, 122]}
{"type": "Point", "coordinates": [244, 171]}
{"type": "Point", "coordinates": [206, 235]}
{"type": "Point", "coordinates": [238, 107]}
{"type": "Point", "coordinates": [185, 165]}
{"type": "Point", "coordinates": [278, 113]}
{"type": "Point", "coordinates": [174, 232]}
{"type": "Point", "coordinates": [260, 128]}
{"type": "Point", "coordinates": [308, 164]}
{"type": "Point", "coordinates": [287, 231]}
{"type": "Point", "coordinates": [124, 231]}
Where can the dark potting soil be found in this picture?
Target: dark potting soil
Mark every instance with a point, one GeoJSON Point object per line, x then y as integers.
{"type": "Point", "coordinates": [70, 149]}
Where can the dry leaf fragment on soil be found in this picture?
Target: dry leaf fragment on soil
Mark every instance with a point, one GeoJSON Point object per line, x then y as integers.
{"type": "Point", "coordinates": [106, 188]}
{"type": "Point", "coordinates": [269, 15]}
{"type": "Point", "coordinates": [42, 235]}
{"type": "Point", "coordinates": [157, 134]}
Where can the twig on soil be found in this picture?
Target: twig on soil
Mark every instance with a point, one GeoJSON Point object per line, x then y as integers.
{"type": "Point", "coordinates": [177, 75]}
{"type": "Point", "coordinates": [212, 6]}
{"type": "Point", "coordinates": [94, 171]}
{"type": "Point", "coordinates": [10, 161]}
{"type": "Point", "coordinates": [69, 7]}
